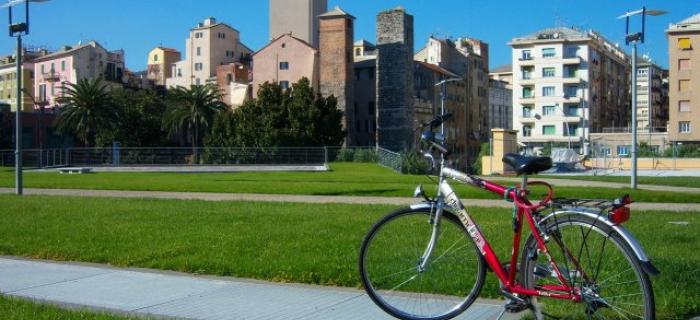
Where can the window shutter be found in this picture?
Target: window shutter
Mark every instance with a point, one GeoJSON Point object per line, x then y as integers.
{"type": "Point", "coordinates": [684, 44]}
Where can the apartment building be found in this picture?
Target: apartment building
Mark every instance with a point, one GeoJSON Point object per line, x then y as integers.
{"type": "Point", "coordinates": [160, 61]}
{"type": "Point", "coordinates": [71, 64]}
{"type": "Point", "coordinates": [684, 77]}
{"type": "Point", "coordinates": [652, 96]}
{"type": "Point", "coordinates": [8, 81]}
{"type": "Point", "coordinates": [500, 105]}
{"type": "Point", "coordinates": [503, 73]}
{"type": "Point", "coordinates": [298, 18]}
{"type": "Point", "coordinates": [284, 61]}
{"type": "Point", "coordinates": [468, 60]}
{"type": "Point", "coordinates": [568, 83]}
{"type": "Point", "coordinates": [209, 45]}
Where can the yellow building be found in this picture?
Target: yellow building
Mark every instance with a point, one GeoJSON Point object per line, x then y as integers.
{"type": "Point", "coordinates": [8, 84]}
{"type": "Point", "coordinates": [160, 61]}
{"type": "Point", "coordinates": [684, 77]}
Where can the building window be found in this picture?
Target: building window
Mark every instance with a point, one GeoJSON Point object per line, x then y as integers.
{"type": "Point", "coordinates": [527, 131]}
{"type": "Point", "coordinates": [284, 85]}
{"type": "Point", "coordinates": [684, 106]}
{"type": "Point", "coordinates": [684, 44]}
{"type": "Point", "coordinates": [198, 66]}
{"type": "Point", "coordinates": [358, 52]}
{"type": "Point", "coordinates": [284, 65]}
{"type": "Point", "coordinates": [527, 55]}
{"type": "Point", "coordinates": [571, 91]}
{"type": "Point", "coordinates": [42, 69]}
{"type": "Point", "coordinates": [623, 151]}
{"type": "Point", "coordinates": [63, 65]}
{"type": "Point", "coordinates": [570, 72]}
{"type": "Point", "coordinates": [548, 72]}
{"type": "Point", "coordinates": [572, 110]}
{"type": "Point", "coordinates": [370, 108]}
{"type": "Point", "coordinates": [606, 151]}
{"type": "Point", "coordinates": [684, 126]}
{"type": "Point", "coordinates": [548, 52]}
{"type": "Point", "coordinates": [155, 57]}
{"type": "Point", "coordinates": [371, 73]}
{"type": "Point", "coordinates": [572, 128]}
{"type": "Point", "coordinates": [683, 64]}
{"type": "Point", "coordinates": [643, 72]}
{"type": "Point", "coordinates": [548, 91]}
{"type": "Point", "coordinates": [527, 73]}
{"type": "Point", "coordinates": [199, 51]}
{"type": "Point", "coordinates": [549, 130]}
{"type": "Point", "coordinates": [198, 35]}
{"type": "Point", "coordinates": [683, 85]}
{"type": "Point", "coordinates": [572, 52]}
{"type": "Point", "coordinates": [549, 110]}
{"type": "Point", "coordinates": [528, 93]}
{"type": "Point", "coordinates": [527, 111]}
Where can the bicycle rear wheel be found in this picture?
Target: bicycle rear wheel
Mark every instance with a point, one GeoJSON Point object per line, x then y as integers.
{"type": "Point", "coordinates": [593, 258]}
{"type": "Point", "coordinates": [390, 260]}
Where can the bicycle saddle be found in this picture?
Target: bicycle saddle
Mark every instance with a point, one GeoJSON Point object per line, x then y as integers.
{"type": "Point", "coordinates": [527, 165]}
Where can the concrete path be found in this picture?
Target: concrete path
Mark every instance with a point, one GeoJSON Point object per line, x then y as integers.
{"type": "Point", "coordinates": [201, 169]}
{"type": "Point", "coordinates": [303, 198]}
{"type": "Point", "coordinates": [177, 295]}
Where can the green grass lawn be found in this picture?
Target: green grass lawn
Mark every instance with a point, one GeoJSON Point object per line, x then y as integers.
{"type": "Point", "coordinates": [344, 179]}
{"type": "Point", "coordinates": [18, 309]}
{"type": "Point", "coordinates": [305, 243]}
{"type": "Point", "coordinates": [693, 182]}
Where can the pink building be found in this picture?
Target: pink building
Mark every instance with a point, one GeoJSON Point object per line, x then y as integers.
{"type": "Point", "coordinates": [86, 61]}
{"type": "Point", "coordinates": [285, 60]}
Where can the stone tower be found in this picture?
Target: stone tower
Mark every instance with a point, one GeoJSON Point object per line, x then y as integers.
{"type": "Point", "coordinates": [395, 80]}
{"type": "Point", "coordinates": [336, 62]}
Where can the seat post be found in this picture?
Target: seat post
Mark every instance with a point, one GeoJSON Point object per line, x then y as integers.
{"type": "Point", "coordinates": [524, 185]}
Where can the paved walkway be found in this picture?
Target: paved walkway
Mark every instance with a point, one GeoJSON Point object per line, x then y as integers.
{"type": "Point", "coordinates": [303, 198]}
{"type": "Point", "coordinates": [177, 295]}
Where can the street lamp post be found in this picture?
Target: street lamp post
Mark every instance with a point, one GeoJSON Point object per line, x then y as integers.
{"type": "Point", "coordinates": [17, 30]}
{"type": "Point", "coordinates": [443, 93]}
{"type": "Point", "coordinates": [634, 38]}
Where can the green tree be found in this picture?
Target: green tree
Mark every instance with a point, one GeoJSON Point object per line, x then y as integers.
{"type": "Point", "coordinates": [192, 111]}
{"type": "Point", "coordinates": [142, 116]}
{"type": "Point", "coordinates": [87, 110]}
{"type": "Point", "coordinates": [295, 117]}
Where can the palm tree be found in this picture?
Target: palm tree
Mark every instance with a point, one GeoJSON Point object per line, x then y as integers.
{"type": "Point", "coordinates": [192, 111]}
{"type": "Point", "coordinates": [86, 109]}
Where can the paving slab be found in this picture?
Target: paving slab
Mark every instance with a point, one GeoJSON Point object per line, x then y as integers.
{"type": "Point", "coordinates": [176, 295]}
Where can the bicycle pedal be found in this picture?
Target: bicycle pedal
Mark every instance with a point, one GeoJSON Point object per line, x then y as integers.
{"type": "Point", "coordinates": [516, 306]}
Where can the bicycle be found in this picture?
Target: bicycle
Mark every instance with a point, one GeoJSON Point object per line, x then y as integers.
{"type": "Point", "coordinates": [429, 260]}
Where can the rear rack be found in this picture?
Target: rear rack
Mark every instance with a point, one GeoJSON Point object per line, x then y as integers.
{"type": "Point", "coordinates": [600, 204]}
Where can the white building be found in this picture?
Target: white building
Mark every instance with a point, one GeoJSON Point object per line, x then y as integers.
{"type": "Point", "coordinates": [209, 45]}
{"type": "Point", "coordinates": [298, 18]}
{"type": "Point", "coordinates": [567, 83]}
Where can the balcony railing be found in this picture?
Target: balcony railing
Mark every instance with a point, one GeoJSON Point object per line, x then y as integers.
{"type": "Point", "coordinates": [51, 76]}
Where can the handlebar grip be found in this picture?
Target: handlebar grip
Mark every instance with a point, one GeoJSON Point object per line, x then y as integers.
{"type": "Point", "coordinates": [439, 148]}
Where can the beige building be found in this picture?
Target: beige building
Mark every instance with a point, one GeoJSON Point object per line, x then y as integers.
{"type": "Point", "coordinates": [684, 80]}
{"type": "Point", "coordinates": [8, 83]}
{"type": "Point", "coordinates": [160, 61]}
{"type": "Point", "coordinates": [363, 49]}
{"type": "Point", "coordinates": [568, 83]}
{"type": "Point", "coordinates": [503, 73]}
{"type": "Point", "coordinates": [298, 18]}
{"type": "Point", "coordinates": [468, 60]}
{"type": "Point", "coordinates": [233, 80]}
{"type": "Point", "coordinates": [284, 61]}
{"type": "Point", "coordinates": [209, 45]}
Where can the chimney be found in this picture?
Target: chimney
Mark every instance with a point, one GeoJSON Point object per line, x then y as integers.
{"type": "Point", "coordinates": [209, 21]}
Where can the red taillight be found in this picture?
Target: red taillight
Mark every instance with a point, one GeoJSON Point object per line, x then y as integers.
{"type": "Point", "coordinates": [619, 215]}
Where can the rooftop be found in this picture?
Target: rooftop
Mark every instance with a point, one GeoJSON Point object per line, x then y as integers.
{"type": "Point", "coordinates": [503, 69]}
{"type": "Point", "coordinates": [691, 23]}
{"type": "Point", "coordinates": [336, 12]}
{"type": "Point", "coordinates": [555, 34]}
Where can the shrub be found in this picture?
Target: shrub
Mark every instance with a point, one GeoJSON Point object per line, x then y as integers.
{"type": "Point", "coordinates": [412, 162]}
{"type": "Point", "coordinates": [365, 155]}
{"type": "Point", "coordinates": [345, 155]}
{"type": "Point", "coordinates": [484, 151]}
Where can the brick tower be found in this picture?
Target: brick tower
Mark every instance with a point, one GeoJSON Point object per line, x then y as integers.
{"type": "Point", "coordinates": [336, 63]}
{"type": "Point", "coordinates": [395, 79]}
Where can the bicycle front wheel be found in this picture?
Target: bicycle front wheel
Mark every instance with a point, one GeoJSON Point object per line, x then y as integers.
{"type": "Point", "coordinates": [391, 272]}
{"type": "Point", "coordinates": [596, 261]}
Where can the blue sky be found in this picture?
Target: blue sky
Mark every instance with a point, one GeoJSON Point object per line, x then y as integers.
{"type": "Point", "coordinates": [139, 25]}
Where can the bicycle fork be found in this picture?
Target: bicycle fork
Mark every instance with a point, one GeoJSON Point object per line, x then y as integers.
{"type": "Point", "coordinates": [435, 221]}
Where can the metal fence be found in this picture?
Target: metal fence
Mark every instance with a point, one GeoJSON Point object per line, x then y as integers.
{"type": "Point", "coordinates": [389, 159]}
{"type": "Point", "coordinates": [167, 157]}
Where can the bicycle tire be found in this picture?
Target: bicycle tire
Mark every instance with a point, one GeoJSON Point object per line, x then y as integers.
{"type": "Point", "coordinates": [456, 265]}
{"type": "Point", "coordinates": [602, 299]}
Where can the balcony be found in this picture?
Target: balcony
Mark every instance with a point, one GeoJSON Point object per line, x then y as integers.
{"type": "Point", "coordinates": [51, 76]}
{"type": "Point", "coordinates": [527, 61]}
{"type": "Point", "coordinates": [571, 80]}
{"type": "Point", "coordinates": [572, 60]}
